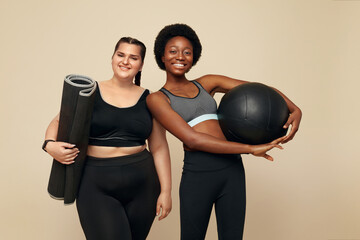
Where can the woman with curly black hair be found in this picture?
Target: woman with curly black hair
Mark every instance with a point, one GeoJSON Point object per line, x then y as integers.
{"type": "Point", "coordinates": [213, 172]}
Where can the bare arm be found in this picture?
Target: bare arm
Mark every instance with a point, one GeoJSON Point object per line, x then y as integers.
{"type": "Point", "coordinates": [218, 83]}
{"type": "Point", "coordinates": [294, 118]}
{"type": "Point", "coordinates": [63, 152]}
{"type": "Point", "coordinates": [171, 121]}
{"type": "Point", "coordinates": [159, 149]}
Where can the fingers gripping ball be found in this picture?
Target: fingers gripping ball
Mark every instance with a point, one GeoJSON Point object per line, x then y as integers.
{"type": "Point", "coordinates": [253, 113]}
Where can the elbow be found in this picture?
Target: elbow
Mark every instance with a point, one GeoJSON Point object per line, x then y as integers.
{"type": "Point", "coordinates": [193, 143]}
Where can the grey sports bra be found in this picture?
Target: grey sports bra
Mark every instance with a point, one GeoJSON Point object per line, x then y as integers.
{"type": "Point", "coordinates": [193, 110]}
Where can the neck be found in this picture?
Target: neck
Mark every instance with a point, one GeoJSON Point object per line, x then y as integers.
{"type": "Point", "coordinates": [174, 79]}
{"type": "Point", "coordinates": [122, 83]}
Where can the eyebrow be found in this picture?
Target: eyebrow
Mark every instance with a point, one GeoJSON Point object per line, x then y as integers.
{"type": "Point", "coordinates": [132, 55]}
{"type": "Point", "coordinates": [178, 47]}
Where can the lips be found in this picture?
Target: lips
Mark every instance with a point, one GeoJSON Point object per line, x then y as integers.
{"type": "Point", "coordinates": [179, 65]}
{"type": "Point", "coordinates": [124, 68]}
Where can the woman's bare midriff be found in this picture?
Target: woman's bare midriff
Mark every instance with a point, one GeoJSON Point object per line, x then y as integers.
{"type": "Point", "coordinates": [108, 152]}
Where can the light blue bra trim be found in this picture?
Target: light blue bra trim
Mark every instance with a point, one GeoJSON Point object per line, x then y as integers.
{"type": "Point", "coordinates": [203, 118]}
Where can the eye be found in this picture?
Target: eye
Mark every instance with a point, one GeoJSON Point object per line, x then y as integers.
{"type": "Point", "coordinates": [134, 58]}
{"type": "Point", "coordinates": [187, 53]}
{"type": "Point", "coordinates": [172, 51]}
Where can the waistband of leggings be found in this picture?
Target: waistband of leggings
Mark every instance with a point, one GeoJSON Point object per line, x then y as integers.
{"type": "Point", "coordinates": [118, 161]}
{"type": "Point", "coordinates": [198, 161]}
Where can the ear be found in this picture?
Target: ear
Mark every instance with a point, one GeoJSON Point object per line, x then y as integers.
{"type": "Point", "coordinates": [163, 59]}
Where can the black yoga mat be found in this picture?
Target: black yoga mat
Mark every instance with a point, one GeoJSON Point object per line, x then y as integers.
{"type": "Point", "coordinates": [74, 126]}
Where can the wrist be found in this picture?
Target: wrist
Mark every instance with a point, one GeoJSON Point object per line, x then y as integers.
{"type": "Point", "coordinates": [293, 108]}
{"type": "Point", "coordinates": [251, 149]}
{"type": "Point", "coordinates": [165, 191]}
{"type": "Point", "coordinates": [46, 143]}
{"type": "Point", "coordinates": [247, 149]}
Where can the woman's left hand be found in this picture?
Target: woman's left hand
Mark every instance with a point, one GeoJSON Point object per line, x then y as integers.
{"type": "Point", "coordinates": [293, 120]}
{"type": "Point", "coordinates": [164, 205]}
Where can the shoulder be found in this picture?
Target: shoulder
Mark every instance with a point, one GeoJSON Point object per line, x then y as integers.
{"type": "Point", "coordinates": [156, 97]}
{"type": "Point", "coordinates": [141, 89]}
{"type": "Point", "coordinates": [102, 83]}
{"type": "Point", "coordinates": [103, 86]}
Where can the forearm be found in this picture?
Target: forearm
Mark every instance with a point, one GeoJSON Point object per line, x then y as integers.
{"type": "Point", "coordinates": [208, 143]}
{"type": "Point", "coordinates": [175, 124]}
{"type": "Point", "coordinates": [163, 169]}
{"type": "Point", "coordinates": [292, 107]}
{"type": "Point", "coordinates": [52, 129]}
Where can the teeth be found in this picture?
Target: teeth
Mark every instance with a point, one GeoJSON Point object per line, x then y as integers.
{"type": "Point", "coordinates": [179, 65]}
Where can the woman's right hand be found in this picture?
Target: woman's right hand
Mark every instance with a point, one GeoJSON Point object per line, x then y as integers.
{"type": "Point", "coordinates": [261, 150]}
{"type": "Point", "coordinates": [62, 152]}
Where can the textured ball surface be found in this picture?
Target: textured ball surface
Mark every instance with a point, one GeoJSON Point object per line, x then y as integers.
{"type": "Point", "coordinates": [253, 113]}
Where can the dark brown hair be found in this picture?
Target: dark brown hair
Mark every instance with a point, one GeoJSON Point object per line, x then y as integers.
{"type": "Point", "coordinates": [134, 41]}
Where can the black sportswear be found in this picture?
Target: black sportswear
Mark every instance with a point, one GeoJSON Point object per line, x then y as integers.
{"type": "Point", "coordinates": [120, 127]}
{"type": "Point", "coordinates": [117, 197]}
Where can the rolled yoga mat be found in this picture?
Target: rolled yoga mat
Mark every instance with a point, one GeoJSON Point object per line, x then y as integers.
{"type": "Point", "coordinates": [74, 126]}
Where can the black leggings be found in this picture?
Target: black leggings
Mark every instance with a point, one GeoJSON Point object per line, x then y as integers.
{"type": "Point", "coordinates": [117, 197]}
{"type": "Point", "coordinates": [200, 190]}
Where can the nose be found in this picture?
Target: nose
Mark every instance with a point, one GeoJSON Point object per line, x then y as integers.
{"type": "Point", "coordinates": [125, 60]}
{"type": "Point", "coordinates": [180, 56]}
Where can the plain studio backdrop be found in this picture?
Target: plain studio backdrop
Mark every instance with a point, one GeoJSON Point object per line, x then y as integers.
{"type": "Point", "coordinates": [308, 49]}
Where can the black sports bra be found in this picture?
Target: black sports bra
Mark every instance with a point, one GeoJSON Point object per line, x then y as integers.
{"type": "Point", "coordinates": [120, 127]}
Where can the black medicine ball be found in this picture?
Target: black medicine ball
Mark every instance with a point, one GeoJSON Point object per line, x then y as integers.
{"type": "Point", "coordinates": [253, 113]}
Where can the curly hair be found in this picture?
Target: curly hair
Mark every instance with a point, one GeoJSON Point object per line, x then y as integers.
{"type": "Point", "coordinates": [171, 31]}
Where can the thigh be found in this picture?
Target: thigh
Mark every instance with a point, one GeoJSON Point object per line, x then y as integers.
{"type": "Point", "coordinates": [230, 206]}
{"type": "Point", "coordinates": [196, 201]}
{"type": "Point", "coordinates": [141, 209]}
{"type": "Point", "coordinates": [101, 215]}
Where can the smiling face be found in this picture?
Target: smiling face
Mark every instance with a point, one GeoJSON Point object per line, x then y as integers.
{"type": "Point", "coordinates": [178, 56]}
{"type": "Point", "coordinates": [127, 61]}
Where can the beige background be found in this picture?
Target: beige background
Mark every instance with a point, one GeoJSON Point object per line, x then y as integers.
{"type": "Point", "coordinates": [309, 49]}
